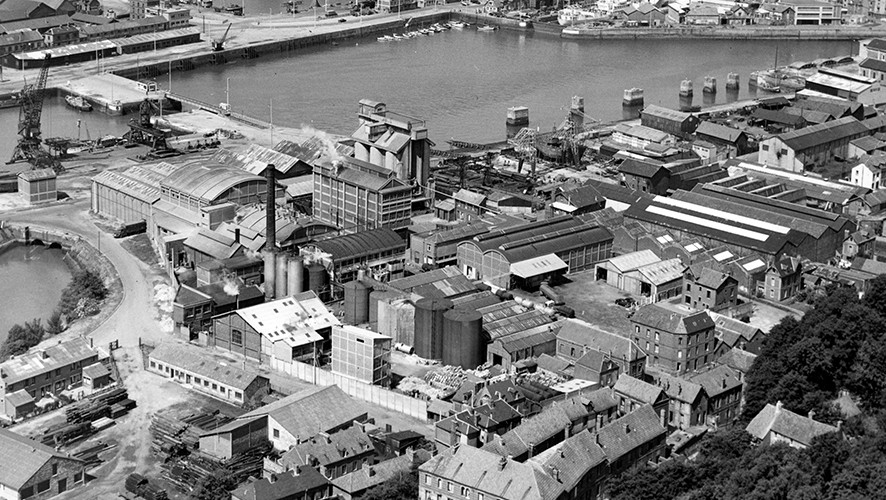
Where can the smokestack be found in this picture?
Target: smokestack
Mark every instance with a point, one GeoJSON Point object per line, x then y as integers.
{"type": "Point", "coordinates": [236, 235]}
{"type": "Point", "coordinates": [271, 209]}
{"type": "Point", "coordinates": [270, 250]}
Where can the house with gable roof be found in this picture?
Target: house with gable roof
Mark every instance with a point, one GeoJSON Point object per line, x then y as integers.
{"type": "Point", "coordinates": [576, 338]}
{"type": "Point", "coordinates": [542, 431]}
{"type": "Point", "coordinates": [29, 469]}
{"type": "Point", "coordinates": [332, 454]}
{"type": "Point", "coordinates": [709, 289]}
{"type": "Point", "coordinates": [632, 393]}
{"type": "Point", "coordinates": [466, 472]}
{"type": "Point", "coordinates": [636, 438]}
{"type": "Point", "coordinates": [783, 279]}
{"type": "Point", "coordinates": [579, 464]}
{"type": "Point", "coordinates": [776, 424]}
{"type": "Point", "coordinates": [687, 401]}
{"type": "Point", "coordinates": [723, 388]}
{"type": "Point", "coordinates": [674, 339]}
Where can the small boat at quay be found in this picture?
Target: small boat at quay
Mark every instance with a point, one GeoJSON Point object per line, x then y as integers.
{"type": "Point", "coordinates": [78, 103]}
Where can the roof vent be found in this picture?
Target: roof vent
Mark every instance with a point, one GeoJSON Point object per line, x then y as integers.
{"type": "Point", "coordinates": [627, 429]}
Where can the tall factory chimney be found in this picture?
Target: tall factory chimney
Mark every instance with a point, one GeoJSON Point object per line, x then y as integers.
{"type": "Point", "coordinates": [270, 251]}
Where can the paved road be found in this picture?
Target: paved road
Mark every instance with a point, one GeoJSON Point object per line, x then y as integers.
{"type": "Point", "coordinates": [134, 317]}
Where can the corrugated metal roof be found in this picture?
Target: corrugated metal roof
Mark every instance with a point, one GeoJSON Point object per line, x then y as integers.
{"type": "Point", "coordinates": [538, 265]}
{"type": "Point", "coordinates": [212, 243]}
{"type": "Point", "coordinates": [633, 260]}
{"type": "Point", "coordinates": [256, 159]}
{"type": "Point", "coordinates": [208, 182]}
{"type": "Point", "coordinates": [824, 133]}
{"type": "Point", "coordinates": [669, 114]}
{"type": "Point", "coordinates": [361, 244]}
{"type": "Point", "coordinates": [193, 359]}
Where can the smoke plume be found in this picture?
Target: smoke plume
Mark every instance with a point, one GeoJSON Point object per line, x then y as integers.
{"type": "Point", "coordinates": [231, 287]}
{"type": "Point", "coordinates": [328, 142]}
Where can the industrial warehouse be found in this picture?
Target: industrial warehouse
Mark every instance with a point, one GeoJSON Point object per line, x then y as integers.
{"type": "Point", "coordinates": [303, 315]}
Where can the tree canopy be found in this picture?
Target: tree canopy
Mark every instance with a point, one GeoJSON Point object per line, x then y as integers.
{"type": "Point", "coordinates": [840, 344]}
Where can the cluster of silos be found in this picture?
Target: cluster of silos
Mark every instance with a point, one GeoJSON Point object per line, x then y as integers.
{"type": "Point", "coordinates": [318, 280]}
{"type": "Point", "coordinates": [356, 305]}
{"type": "Point", "coordinates": [393, 314]}
{"type": "Point", "coordinates": [284, 274]}
{"type": "Point", "coordinates": [429, 327]}
{"type": "Point", "coordinates": [463, 343]}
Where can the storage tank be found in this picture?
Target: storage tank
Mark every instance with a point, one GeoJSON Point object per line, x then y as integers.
{"type": "Point", "coordinates": [428, 339]}
{"type": "Point", "coordinates": [356, 302]}
{"type": "Point", "coordinates": [295, 276]}
{"type": "Point", "coordinates": [280, 285]}
{"type": "Point", "coordinates": [463, 343]}
{"type": "Point", "coordinates": [318, 280]}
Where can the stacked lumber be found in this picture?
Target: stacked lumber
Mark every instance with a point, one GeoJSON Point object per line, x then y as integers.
{"type": "Point", "coordinates": [90, 453]}
{"type": "Point", "coordinates": [96, 407]}
{"type": "Point", "coordinates": [139, 485]}
{"type": "Point", "coordinates": [122, 408]}
{"type": "Point", "coordinates": [188, 471]}
{"type": "Point", "coordinates": [61, 434]}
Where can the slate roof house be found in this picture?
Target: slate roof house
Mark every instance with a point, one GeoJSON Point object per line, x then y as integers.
{"type": "Point", "coordinates": [29, 469]}
{"type": "Point", "coordinates": [775, 424]}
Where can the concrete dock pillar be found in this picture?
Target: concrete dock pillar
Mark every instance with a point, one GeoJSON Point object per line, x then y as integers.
{"type": "Point", "coordinates": [732, 81]}
{"type": "Point", "coordinates": [686, 88]}
{"type": "Point", "coordinates": [710, 85]}
{"type": "Point", "coordinates": [518, 116]}
{"type": "Point", "coordinates": [632, 97]}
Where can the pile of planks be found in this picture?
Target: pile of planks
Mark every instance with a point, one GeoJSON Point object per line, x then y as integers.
{"type": "Point", "coordinates": [96, 407]}
{"type": "Point", "coordinates": [139, 485]}
{"type": "Point", "coordinates": [188, 471]}
{"type": "Point", "coordinates": [90, 454]}
{"type": "Point", "coordinates": [58, 435]}
{"type": "Point", "coordinates": [173, 436]}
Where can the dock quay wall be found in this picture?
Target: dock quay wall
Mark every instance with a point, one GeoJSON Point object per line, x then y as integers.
{"type": "Point", "coordinates": [284, 46]}
{"type": "Point", "coordinates": [729, 33]}
{"type": "Point", "coordinates": [80, 253]}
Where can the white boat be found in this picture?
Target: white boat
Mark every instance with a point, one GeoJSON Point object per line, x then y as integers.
{"type": "Point", "coordinates": [487, 27]}
{"type": "Point", "coordinates": [386, 38]}
{"type": "Point", "coordinates": [457, 24]}
{"type": "Point", "coordinates": [572, 15]}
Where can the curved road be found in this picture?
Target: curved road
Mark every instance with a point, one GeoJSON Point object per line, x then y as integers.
{"type": "Point", "coordinates": [134, 317]}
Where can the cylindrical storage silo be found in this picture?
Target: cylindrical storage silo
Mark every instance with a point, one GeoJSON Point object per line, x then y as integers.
{"type": "Point", "coordinates": [281, 283]}
{"type": "Point", "coordinates": [429, 327]}
{"type": "Point", "coordinates": [295, 276]}
{"type": "Point", "coordinates": [356, 302]}
{"type": "Point", "coordinates": [318, 280]}
{"type": "Point", "coordinates": [463, 343]}
{"type": "Point", "coordinates": [374, 298]}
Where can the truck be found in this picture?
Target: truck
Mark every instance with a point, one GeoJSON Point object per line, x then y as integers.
{"type": "Point", "coordinates": [131, 229]}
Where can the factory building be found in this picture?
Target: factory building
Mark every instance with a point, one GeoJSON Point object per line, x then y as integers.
{"type": "Point", "coordinates": [741, 234]}
{"type": "Point", "coordinates": [255, 159]}
{"type": "Point", "coordinates": [825, 230]}
{"type": "Point", "coordinates": [525, 255]}
{"type": "Point", "coordinates": [439, 247]}
{"type": "Point", "coordinates": [361, 354]}
{"type": "Point", "coordinates": [289, 329]}
{"type": "Point", "coordinates": [394, 141]}
{"type": "Point", "coordinates": [811, 147]}
{"type": "Point", "coordinates": [128, 195]}
{"type": "Point", "coordinates": [669, 121]}
{"type": "Point", "coordinates": [356, 195]}
{"type": "Point", "coordinates": [380, 252]}
{"type": "Point", "coordinates": [194, 307]}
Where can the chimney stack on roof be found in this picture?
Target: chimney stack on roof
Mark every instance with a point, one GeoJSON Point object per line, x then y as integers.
{"type": "Point", "coordinates": [502, 462]}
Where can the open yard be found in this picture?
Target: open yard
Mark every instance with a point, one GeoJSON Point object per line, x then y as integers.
{"type": "Point", "coordinates": [594, 302]}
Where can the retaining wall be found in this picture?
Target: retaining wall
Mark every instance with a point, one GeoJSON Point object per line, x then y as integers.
{"type": "Point", "coordinates": [374, 394]}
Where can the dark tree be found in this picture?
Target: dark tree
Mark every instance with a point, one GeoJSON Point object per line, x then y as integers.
{"type": "Point", "coordinates": [21, 338]}
{"type": "Point", "coordinates": [403, 486]}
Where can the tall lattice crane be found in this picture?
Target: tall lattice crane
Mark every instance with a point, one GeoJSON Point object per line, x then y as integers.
{"type": "Point", "coordinates": [29, 147]}
{"type": "Point", "coordinates": [525, 145]}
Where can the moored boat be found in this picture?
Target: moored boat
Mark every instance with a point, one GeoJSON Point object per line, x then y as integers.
{"type": "Point", "coordinates": [487, 27]}
{"type": "Point", "coordinates": [78, 103]}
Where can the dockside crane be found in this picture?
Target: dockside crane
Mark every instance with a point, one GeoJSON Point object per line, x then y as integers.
{"type": "Point", "coordinates": [525, 145]}
{"type": "Point", "coordinates": [218, 45]}
{"type": "Point", "coordinates": [30, 144]}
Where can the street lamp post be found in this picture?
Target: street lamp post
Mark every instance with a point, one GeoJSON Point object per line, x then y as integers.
{"type": "Point", "coordinates": [228, 92]}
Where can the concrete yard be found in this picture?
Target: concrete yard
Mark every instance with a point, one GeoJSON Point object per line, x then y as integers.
{"type": "Point", "coordinates": [594, 302]}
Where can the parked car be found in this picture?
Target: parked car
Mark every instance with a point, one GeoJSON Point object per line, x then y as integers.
{"type": "Point", "coordinates": [626, 302]}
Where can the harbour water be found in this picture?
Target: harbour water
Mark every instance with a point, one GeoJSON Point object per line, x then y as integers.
{"type": "Point", "coordinates": [461, 82]}
{"type": "Point", "coordinates": [32, 280]}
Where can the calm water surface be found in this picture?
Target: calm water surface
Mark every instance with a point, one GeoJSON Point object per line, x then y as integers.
{"type": "Point", "coordinates": [32, 281]}
{"type": "Point", "coordinates": [461, 82]}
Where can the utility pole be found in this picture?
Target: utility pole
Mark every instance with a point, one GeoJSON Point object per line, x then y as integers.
{"type": "Point", "coordinates": [170, 76]}
{"type": "Point", "coordinates": [271, 105]}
